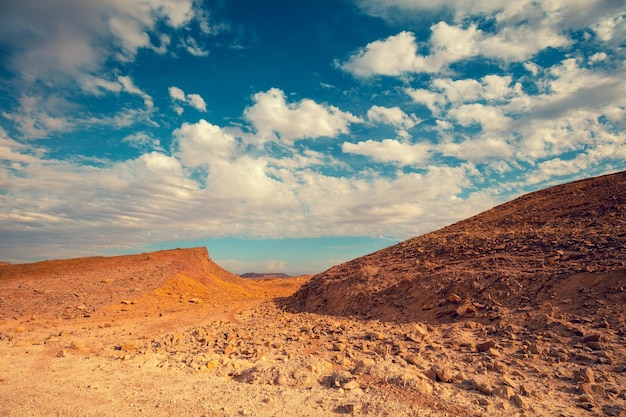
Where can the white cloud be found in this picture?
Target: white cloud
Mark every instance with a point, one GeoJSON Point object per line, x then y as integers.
{"type": "Point", "coordinates": [177, 94]}
{"type": "Point", "coordinates": [142, 140]}
{"type": "Point", "coordinates": [478, 150]}
{"type": "Point", "coordinates": [392, 56]}
{"type": "Point", "coordinates": [275, 119]}
{"type": "Point", "coordinates": [489, 117]}
{"type": "Point", "coordinates": [131, 88]}
{"type": "Point", "coordinates": [191, 45]}
{"type": "Point", "coordinates": [432, 100]}
{"type": "Point", "coordinates": [98, 86]}
{"type": "Point", "coordinates": [450, 44]}
{"type": "Point", "coordinates": [391, 150]}
{"type": "Point", "coordinates": [393, 116]}
{"type": "Point", "coordinates": [517, 44]}
{"type": "Point", "coordinates": [203, 143]}
{"type": "Point", "coordinates": [38, 118]}
{"type": "Point", "coordinates": [522, 29]}
{"type": "Point", "coordinates": [598, 57]}
{"type": "Point", "coordinates": [194, 100]}
{"type": "Point", "coordinates": [64, 40]}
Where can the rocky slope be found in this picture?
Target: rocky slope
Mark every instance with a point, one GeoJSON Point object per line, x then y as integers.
{"type": "Point", "coordinates": [126, 285]}
{"type": "Point", "coordinates": [564, 246]}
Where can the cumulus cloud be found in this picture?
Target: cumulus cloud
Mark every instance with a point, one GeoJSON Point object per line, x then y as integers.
{"type": "Point", "coordinates": [390, 150]}
{"type": "Point", "coordinates": [392, 56]}
{"type": "Point", "coordinates": [194, 100]}
{"type": "Point", "coordinates": [521, 30]}
{"type": "Point", "coordinates": [393, 116]}
{"type": "Point", "coordinates": [203, 143]}
{"type": "Point", "coordinates": [275, 119]}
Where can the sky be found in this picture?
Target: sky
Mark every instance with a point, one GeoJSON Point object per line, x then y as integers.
{"type": "Point", "coordinates": [290, 136]}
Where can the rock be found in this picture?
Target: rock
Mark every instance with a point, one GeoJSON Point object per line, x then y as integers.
{"type": "Point", "coordinates": [535, 349]}
{"type": "Point", "coordinates": [584, 375]}
{"type": "Point", "coordinates": [442, 374]}
{"type": "Point", "coordinates": [281, 380]}
{"type": "Point", "coordinates": [594, 345]}
{"type": "Point", "coordinates": [594, 337]}
{"type": "Point", "coordinates": [614, 411]}
{"type": "Point", "coordinates": [485, 346]}
{"type": "Point", "coordinates": [195, 300]}
{"type": "Point", "coordinates": [431, 374]}
{"type": "Point", "coordinates": [484, 387]}
{"type": "Point", "coordinates": [505, 392]}
{"type": "Point", "coordinates": [349, 409]}
{"type": "Point", "coordinates": [465, 309]}
{"type": "Point", "coordinates": [494, 353]}
{"type": "Point", "coordinates": [518, 401]}
{"type": "Point", "coordinates": [454, 298]}
{"type": "Point", "coordinates": [77, 345]}
{"type": "Point", "coordinates": [418, 335]}
{"type": "Point", "coordinates": [508, 381]}
{"type": "Point", "coordinates": [339, 346]}
{"type": "Point", "coordinates": [62, 353]}
{"type": "Point", "coordinates": [351, 385]}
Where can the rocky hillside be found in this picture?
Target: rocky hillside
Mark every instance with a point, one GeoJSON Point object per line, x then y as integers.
{"type": "Point", "coordinates": [564, 247]}
{"type": "Point", "coordinates": [97, 285]}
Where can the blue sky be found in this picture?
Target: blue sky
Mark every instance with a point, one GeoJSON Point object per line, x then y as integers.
{"type": "Point", "coordinates": [293, 135]}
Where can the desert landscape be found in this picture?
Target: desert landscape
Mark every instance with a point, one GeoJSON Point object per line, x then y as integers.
{"type": "Point", "coordinates": [518, 311]}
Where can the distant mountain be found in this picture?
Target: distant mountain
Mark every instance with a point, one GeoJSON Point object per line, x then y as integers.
{"type": "Point", "coordinates": [265, 275]}
{"type": "Point", "coordinates": [563, 246]}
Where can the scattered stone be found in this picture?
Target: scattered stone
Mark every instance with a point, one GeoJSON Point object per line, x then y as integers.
{"type": "Point", "coordinates": [584, 375]}
{"type": "Point", "coordinates": [351, 385]}
{"type": "Point", "coordinates": [442, 374]}
{"type": "Point", "coordinates": [505, 392]}
{"type": "Point", "coordinates": [418, 335]}
{"type": "Point", "coordinates": [614, 411]}
{"type": "Point", "coordinates": [508, 381]}
{"type": "Point", "coordinates": [281, 380]}
{"type": "Point", "coordinates": [594, 337]}
{"type": "Point", "coordinates": [535, 349]}
{"type": "Point", "coordinates": [77, 345]}
{"type": "Point", "coordinates": [594, 345]}
{"type": "Point", "coordinates": [494, 353]}
{"type": "Point", "coordinates": [454, 298]}
{"type": "Point", "coordinates": [431, 374]}
{"type": "Point", "coordinates": [484, 387]}
{"type": "Point", "coordinates": [518, 401]}
{"type": "Point", "coordinates": [485, 346]}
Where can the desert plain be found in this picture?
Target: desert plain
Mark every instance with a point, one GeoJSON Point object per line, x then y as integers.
{"type": "Point", "coordinates": [518, 311]}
